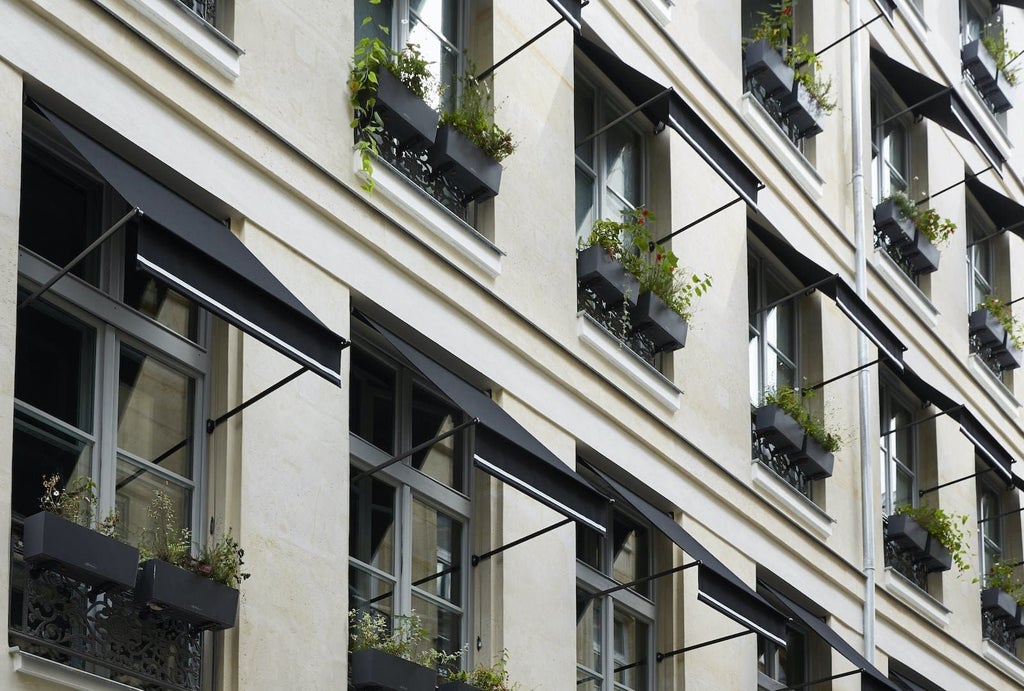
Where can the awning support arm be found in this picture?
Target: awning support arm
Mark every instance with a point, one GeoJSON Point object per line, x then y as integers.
{"type": "Point", "coordinates": [416, 449]}
{"type": "Point", "coordinates": [806, 290]}
{"type": "Point", "coordinates": [699, 220]}
{"type": "Point", "coordinates": [660, 95]}
{"type": "Point", "coordinates": [214, 424]}
{"type": "Point", "coordinates": [818, 681]}
{"type": "Point", "coordinates": [476, 559]}
{"type": "Point", "coordinates": [1009, 228]}
{"type": "Point", "coordinates": [645, 579]}
{"type": "Point", "coordinates": [910, 109]}
{"type": "Point", "coordinates": [808, 389]}
{"type": "Point", "coordinates": [425, 579]}
{"type": "Point", "coordinates": [845, 36]}
{"type": "Point", "coordinates": [915, 423]}
{"type": "Point", "coordinates": [954, 185]}
{"type": "Point", "coordinates": [922, 492]}
{"type": "Point", "coordinates": [487, 73]}
{"type": "Point", "coordinates": [1002, 515]}
{"type": "Point", "coordinates": [81, 255]}
{"type": "Point", "coordinates": [663, 656]}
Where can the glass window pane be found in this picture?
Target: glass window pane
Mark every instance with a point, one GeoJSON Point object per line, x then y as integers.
{"type": "Point", "coordinates": [369, 593]}
{"type": "Point", "coordinates": [623, 163]}
{"type": "Point", "coordinates": [41, 450]}
{"type": "Point", "coordinates": [903, 437]}
{"type": "Point", "coordinates": [904, 487]}
{"type": "Point", "coordinates": [584, 202]}
{"type": "Point", "coordinates": [584, 121]}
{"type": "Point", "coordinates": [588, 636]}
{"type": "Point", "coordinates": [630, 552]}
{"type": "Point", "coordinates": [631, 653]}
{"type": "Point", "coordinates": [444, 627]}
{"type": "Point", "coordinates": [436, 553]}
{"type": "Point", "coordinates": [371, 530]}
{"type": "Point", "coordinates": [160, 303]}
{"type": "Point", "coordinates": [154, 411]}
{"type": "Point", "coordinates": [793, 658]}
{"type": "Point", "coordinates": [433, 26]}
{"type": "Point", "coordinates": [135, 490]}
{"type": "Point", "coordinates": [372, 409]}
{"type": "Point", "coordinates": [783, 373]}
{"type": "Point", "coordinates": [588, 548]}
{"type": "Point", "coordinates": [432, 416]}
{"type": "Point", "coordinates": [54, 364]}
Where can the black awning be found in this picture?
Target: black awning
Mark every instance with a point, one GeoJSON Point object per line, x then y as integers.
{"type": "Point", "coordinates": [846, 299]}
{"type": "Point", "coordinates": [571, 11]}
{"type": "Point", "coordinates": [1004, 212]}
{"type": "Point", "coordinates": [1011, 3]}
{"type": "Point", "coordinates": [717, 586]}
{"type": "Point", "coordinates": [664, 107]}
{"type": "Point", "coordinates": [184, 248]}
{"type": "Point", "coordinates": [937, 102]}
{"type": "Point", "coordinates": [871, 677]}
{"type": "Point", "coordinates": [888, 7]}
{"type": "Point", "coordinates": [503, 448]}
{"type": "Point", "coordinates": [992, 452]}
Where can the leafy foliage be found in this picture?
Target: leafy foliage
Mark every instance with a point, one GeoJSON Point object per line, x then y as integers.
{"type": "Point", "coordinates": [1001, 575]}
{"type": "Point", "coordinates": [776, 28]}
{"type": "Point", "coordinates": [406, 639]}
{"type": "Point", "coordinates": [948, 528]}
{"type": "Point", "coordinates": [927, 221]}
{"type": "Point", "coordinates": [76, 502]}
{"type": "Point", "coordinates": [474, 118]}
{"type": "Point", "coordinates": [1002, 312]}
{"type": "Point", "coordinates": [792, 403]}
{"type": "Point", "coordinates": [492, 678]}
{"type": "Point", "coordinates": [993, 37]}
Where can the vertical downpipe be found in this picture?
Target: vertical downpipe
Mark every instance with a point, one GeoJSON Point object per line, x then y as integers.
{"type": "Point", "coordinates": [863, 378]}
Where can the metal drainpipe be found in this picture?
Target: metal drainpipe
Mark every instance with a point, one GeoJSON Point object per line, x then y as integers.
{"type": "Point", "coordinates": [863, 378]}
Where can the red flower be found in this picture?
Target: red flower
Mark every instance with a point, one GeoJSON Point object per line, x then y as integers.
{"type": "Point", "coordinates": [787, 11]}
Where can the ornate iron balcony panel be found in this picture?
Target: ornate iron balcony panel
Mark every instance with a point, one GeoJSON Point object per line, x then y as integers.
{"type": "Point", "coordinates": [779, 463]}
{"type": "Point", "coordinates": [615, 318]}
{"type": "Point", "coordinates": [206, 9]}
{"type": "Point", "coordinates": [903, 561]}
{"type": "Point", "coordinates": [995, 630]}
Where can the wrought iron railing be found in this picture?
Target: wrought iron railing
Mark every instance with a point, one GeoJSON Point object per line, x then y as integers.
{"type": "Point", "coordinates": [883, 243]}
{"type": "Point", "coordinates": [996, 630]}
{"type": "Point", "coordinates": [615, 318]}
{"type": "Point", "coordinates": [778, 463]}
{"type": "Point", "coordinates": [773, 107]}
{"type": "Point", "coordinates": [206, 9]}
{"type": "Point", "coordinates": [987, 356]}
{"type": "Point", "coordinates": [101, 631]}
{"type": "Point", "coordinates": [905, 562]}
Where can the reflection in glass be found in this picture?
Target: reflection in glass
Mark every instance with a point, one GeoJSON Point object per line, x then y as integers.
{"type": "Point", "coordinates": [434, 27]}
{"type": "Point", "coordinates": [436, 553]}
{"type": "Point", "coordinates": [431, 417]}
{"type": "Point", "coordinates": [160, 303]}
{"type": "Point", "coordinates": [372, 411]}
{"type": "Point", "coordinates": [631, 652]}
{"type": "Point", "coordinates": [135, 489]}
{"type": "Point", "coordinates": [371, 530]}
{"type": "Point", "coordinates": [369, 593]}
{"type": "Point", "coordinates": [444, 626]}
{"type": "Point", "coordinates": [631, 560]}
{"type": "Point", "coordinates": [41, 449]}
{"type": "Point", "coordinates": [588, 642]}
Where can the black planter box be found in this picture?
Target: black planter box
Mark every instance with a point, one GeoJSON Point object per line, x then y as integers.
{"type": "Point", "coordinates": [891, 223]}
{"type": "Point", "coordinates": [659, 322]}
{"type": "Point", "coordinates": [813, 460]}
{"type": "Point", "coordinates": [984, 326]}
{"type": "Point", "coordinates": [803, 111]}
{"type": "Point", "coordinates": [375, 669]}
{"type": "Point", "coordinates": [921, 254]}
{"type": "Point", "coordinates": [457, 686]}
{"type": "Point", "coordinates": [998, 603]}
{"type": "Point", "coordinates": [466, 166]}
{"type": "Point", "coordinates": [406, 116]}
{"type": "Point", "coordinates": [979, 63]}
{"type": "Point", "coordinates": [1015, 625]}
{"type": "Point", "coordinates": [200, 601]}
{"type": "Point", "coordinates": [936, 557]}
{"type": "Point", "coordinates": [765, 64]}
{"type": "Point", "coordinates": [999, 94]}
{"type": "Point", "coordinates": [779, 429]}
{"type": "Point", "coordinates": [605, 275]}
{"type": "Point", "coordinates": [1007, 355]}
{"type": "Point", "coordinates": [906, 533]}
{"type": "Point", "coordinates": [81, 553]}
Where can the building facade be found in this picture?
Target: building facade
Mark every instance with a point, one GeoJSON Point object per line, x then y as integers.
{"type": "Point", "coordinates": [431, 399]}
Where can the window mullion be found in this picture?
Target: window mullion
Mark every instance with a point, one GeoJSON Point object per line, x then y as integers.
{"type": "Point", "coordinates": [105, 462]}
{"type": "Point", "coordinates": [403, 603]}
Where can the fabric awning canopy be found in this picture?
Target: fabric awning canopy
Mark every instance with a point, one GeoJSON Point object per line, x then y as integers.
{"type": "Point", "coordinates": [717, 586]}
{"type": "Point", "coordinates": [871, 678]}
{"type": "Point", "coordinates": [1004, 212]}
{"type": "Point", "coordinates": [937, 102]}
{"type": "Point", "coordinates": [846, 299]}
{"type": "Point", "coordinates": [1012, 3]}
{"type": "Point", "coordinates": [503, 448]}
{"type": "Point", "coordinates": [571, 11]}
{"type": "Point", "coordinates": [184, 248]}
{"type": "Point", "coordinates": [991, 451]}
{"type": "Point", "coordinates": [663, 106]}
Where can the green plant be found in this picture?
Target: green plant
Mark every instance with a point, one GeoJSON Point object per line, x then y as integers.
{"type": "Point", "coordinates": [370, 56]}
{"type": "Point", "coordinates": [1001, 575]}
{"type": "Point", "coordinates": [948, 528]}
{"type": "Point", "coordinates": [994, 39]}
{"type": "Point", "coordinates": [406, 639]}
{"type": "Point", "coordinates": [76, 502]}
{"type": "Point", "coordinates": [1002, 312]}
{"type": "Point", "coordinates": [808, 68]}
{"type": "Point", "coordinates": [792, 403]}
{"type": "Point", "coordinates": [473, 116]}
{"type": "Point", "coordinates": [927, 221]}
{"type": "Point", "coordinates": [655, 267]}
{"type": "Point", "coordinates": [488, 678]}
{"type": "Point", "coordinates": [776, 25]}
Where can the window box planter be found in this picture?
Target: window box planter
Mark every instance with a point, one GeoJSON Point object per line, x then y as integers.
{"type": "Point", "coordinates": [906, 533]}
{"type": "Point", "coordinates": [999, 94]}
{"type": "Point", "coordinates": [803, 112]}
{"type": "Point", "coordinates": [984, 326]}
{"type": "Point", "coordinates": [81, 553]}
{"type": "Point", "coordinates": [1007, 355]}
{"type": "Point", "coordinates": [656, 320]}
{"type": "Point", "coordinates": [200, 601]}
{"type": "Point", "coordinates": [936, 557]}
{"type": "Point", "coordinates": [467, 167]}
{"type": "Point", "coordinates": [765, 64]}
{"type": "Point", "coordinates": [457, 686]}
{"type": "Point", "coordinates": [921, 254]}
{"type": "Point", "coordinates": [979, 63]}
{"type": "Point", "coordinates": [998, 603]}
{"type": "Point", "coordinates": [915, 247]}
{"type": "Point", "coordinates": [605, 275]}
{"type": "Point", "coordinates": [375, 669]}
{"type": "Point", "coordinates": [813, 460]}
{"type": "Point", "coordinates": [1015, 625]}
{"type": "Point", "coordinates": [779, 429]}
{"type": "Point", "coordinates": [406, 116]}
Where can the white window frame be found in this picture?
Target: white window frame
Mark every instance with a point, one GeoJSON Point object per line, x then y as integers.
{"type": "Point", "coordinates": [759, 267]}
{"type": "Point", "coordinates": [890, 397]}
{"type": "Point", "coordinates": [991, 533]}
{"type": "Point", "coordinates": [884, 104]}
{"type": "Point", "coordinates": [979, 227]}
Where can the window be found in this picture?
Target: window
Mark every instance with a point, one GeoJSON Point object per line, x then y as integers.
{"type": "Point", "coordinates": [890, 142]}
{"type": "Point", "coordinates": [898, 451]}
{"type": "Point", "coordinates": [779, 667]}
{"type": "Point", "coordinates": [975, 16]}
{"type": "Point", "coordinates": [980, 256]}
{"type": "Point", "coordinates": [409, 527]}
{"type": "Point", "coordinates": [615, 632]}
{"type": "Point", "coordinates": [990, 525]}
{"type": "Point", "coordinates": [774, 328]}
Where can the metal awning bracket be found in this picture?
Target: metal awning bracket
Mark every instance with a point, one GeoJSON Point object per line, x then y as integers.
{"type": "Point", "coordinates": [414, 450]}
{"type": "Point", "coordinates": [672, 653]}
{"type": "Point", "coordinates": [477, 558]}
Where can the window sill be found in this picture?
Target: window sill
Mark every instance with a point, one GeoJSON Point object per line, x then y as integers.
{"type": "Point", "coordinates": [986, 117]}
{"type": "Point", "coordinates": [996, 389]}
{"type": "Point", "coordinates": [801, 509]}
{"type": "Point", "coordinates": [626, 361]}
{"type": "Point", "coordinates": [911, 296]}
{"type": "Point", "coordinates": [1006, 663]}
{"type": "Point", "coordinates": [62, 675]}
{"type": "Point", "coordinates": [189, 29]}
{"type": "Point", "coordinates": [916, 599]}
{"type": "Point", "coordinates": [431, 214]}
{"type": "Point", "coordinates": [782, 149]}
{"type": "Point", "coordinates": [660, 10]}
